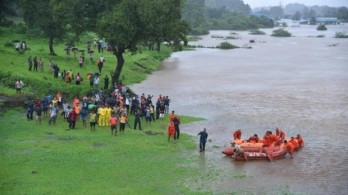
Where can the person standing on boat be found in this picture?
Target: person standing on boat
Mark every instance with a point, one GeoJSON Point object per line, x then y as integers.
{"type": "Point", "coordinates": [203, 139]}
{"type": "Point", "coordinates": [280, 134]}
{"type": "Point", "coordinates": [237, 135]}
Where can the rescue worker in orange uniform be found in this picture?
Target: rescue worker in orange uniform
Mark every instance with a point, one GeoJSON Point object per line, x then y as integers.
{"type": "Point", "coordinates": [294, 142]}
{"type": "Point", "coordinates": [171, 130]}
{"type": "Point", "coordinates": [300, 140]}
{"type": "Point", "coordinates": [237, 135]}
{"type": "Point", "coordinates": [289, 147]}
{"type": "Point", "coordinates": [172, 116]}
{"type": "Point", "coordinates": [280, 134]}
{"type": "Point", "coordinates": [254, 139]}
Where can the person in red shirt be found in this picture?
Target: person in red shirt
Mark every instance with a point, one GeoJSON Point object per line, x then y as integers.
{"type": "Point", "coordinates": [299, 140]}
{"type": "Point", "coordinates": [113, 123]}
{"type": "Point", "coordinates": [72, 119]}
{"type": "Point", "coordinates": [294, 142]}
{"type": "Point", "coordinates": [280, 134]}
{"type": "Point", "coordinates": [171, 131]}
{"type": "Point", "coordinates": [290, 148]}
{"type": "Point", "coordinates": [254, 139]}
{"type": "Point", "coordinates": [274, 139]}
{"type": "Point", "coordinates": [237, 135]}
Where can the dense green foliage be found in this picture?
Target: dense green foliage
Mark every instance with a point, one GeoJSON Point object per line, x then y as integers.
{"type": "Point", "coordinates": [226, 45]}
{"type": "Point", "coordinates": [256, 32]}
{"type": "Point", "coordinates": [281, 33]}
{"type": "Point", "coordinates": [322, 27]}
{"type": "Point", "coordinates": [213, 15]}
{"type": "Point", "coordinates": [240, 22]}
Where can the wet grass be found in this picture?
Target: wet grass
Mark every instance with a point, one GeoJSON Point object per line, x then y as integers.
{"type": "Point", "coordinates": [42, 159]}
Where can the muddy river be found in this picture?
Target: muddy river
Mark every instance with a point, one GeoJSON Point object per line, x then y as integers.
{"type": "Point", "coordinates": [299, 84]}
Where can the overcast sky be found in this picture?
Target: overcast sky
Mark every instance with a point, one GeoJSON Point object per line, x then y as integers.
{"type": "Point", "coordinates": [261, 3]}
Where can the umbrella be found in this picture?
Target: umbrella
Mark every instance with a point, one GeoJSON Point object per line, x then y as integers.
{"type": "Point", "coordinates": [91, 106]}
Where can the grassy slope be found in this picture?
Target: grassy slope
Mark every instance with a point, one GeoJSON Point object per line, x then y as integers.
{"type": "Point", "coordinates": [14, 66]}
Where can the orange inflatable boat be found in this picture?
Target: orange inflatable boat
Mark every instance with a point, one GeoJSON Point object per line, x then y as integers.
{"type": "Point", "coordinates": [246, 146]}
{"type": "Point", "coordinates": [273, 152]}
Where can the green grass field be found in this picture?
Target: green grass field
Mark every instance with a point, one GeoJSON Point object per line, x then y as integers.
{"type": "Point", "coordinates": [43, 159]}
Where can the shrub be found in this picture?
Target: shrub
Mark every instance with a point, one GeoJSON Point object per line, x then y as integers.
{"type": "Point", "coordinates": [256, 32]}
{"type": "Point", "coordinates": [341, 35]}
{"type": "Point", "coordinates": [321, 27]}
{"type": "Point", "coordinates": [226, 45]}
{"type": "Point", "coordinates": [8, 44]}
{"type": "Point", "coordinates": [231, 37]}
{"type": "Point", "coordinates": [320, 36]}
{"type": "Point", "coordinates": [281, 33]}
{"type": "Point", "coordinates": [217, 37]}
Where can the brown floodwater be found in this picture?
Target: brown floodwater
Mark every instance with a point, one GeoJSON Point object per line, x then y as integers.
{"type": "Point", "coordinates": [299, 84]}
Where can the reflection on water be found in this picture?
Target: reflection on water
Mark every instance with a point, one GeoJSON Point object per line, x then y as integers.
{"type": "Point", "coordinates": [299, 84]}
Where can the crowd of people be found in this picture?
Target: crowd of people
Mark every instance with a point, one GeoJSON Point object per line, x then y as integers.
{"type": "Point", "coordinates": [104, 110]}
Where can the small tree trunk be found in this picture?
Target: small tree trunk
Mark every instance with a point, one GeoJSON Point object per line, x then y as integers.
{"type": "Point", "coordinates": [50, 45]}
{"type": "Point", "coordinates": [158, 48]}
{"type": "Point", "coordinates": [119, 66]}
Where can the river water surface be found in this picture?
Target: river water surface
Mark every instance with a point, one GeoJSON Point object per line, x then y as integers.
{"type": "Point", "coordinates": [299, 84]}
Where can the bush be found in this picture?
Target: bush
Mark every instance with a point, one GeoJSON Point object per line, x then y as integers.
{"type": "Point", "coordinates": [256, 32]}
{"type": "Point", "coordinates": [226, 45]}
{"type": "Point", "coordinates": [341, 35]}
{"type": "Point", "coordinates": [321, 27]}
{"type": "Point", "coordinates": [8, 44]}
{"type": "Point", "coordinates": [281, 33]}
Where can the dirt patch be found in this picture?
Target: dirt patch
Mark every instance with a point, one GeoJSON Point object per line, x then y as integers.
{"type": "Point", "coordinates": [152, 133]}
{"type": "Point", "coordinates": [65, 138]}
{"type": "Point", "coordinates": [97, 145]}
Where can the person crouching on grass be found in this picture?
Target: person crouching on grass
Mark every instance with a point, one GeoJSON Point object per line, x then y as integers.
{"type": "Point", "coordinates": [113, 123]}
{"type": "Point", "coordinates": [171, 130]}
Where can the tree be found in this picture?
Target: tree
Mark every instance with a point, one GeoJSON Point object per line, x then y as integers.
{"type": "Point", "coordinates": [311, 13]}
{"type": "Point", "coordinates": [342, 13]}
{"type": "Point", "coordinates": [305, 13]}
{"type": "Point", "coordinates": [164, 24]}
{"type": "Point", "coordinates": [194, 12]}
{"type": "Point", "coordinates": [296, 16]}
{"type": "Point", "coordinates": [83, 15]}
{"type": "Point", "coordinates": [48, 16]}
{"type": "Point", "coordinates": [126, 24]}
{"type": "Point", "coordinates": [277, 12]}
